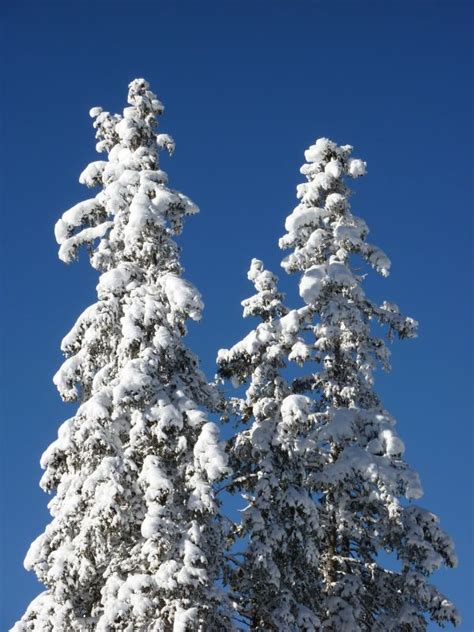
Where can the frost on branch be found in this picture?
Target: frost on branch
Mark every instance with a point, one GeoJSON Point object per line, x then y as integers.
{"type": "Point", "coordinates": [135, 541]}
{"type": "Point", "coordinates": [321, 464]}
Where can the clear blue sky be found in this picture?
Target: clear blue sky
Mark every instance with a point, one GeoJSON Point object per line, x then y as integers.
{"type": "Point", "coordinates": [247, 87]}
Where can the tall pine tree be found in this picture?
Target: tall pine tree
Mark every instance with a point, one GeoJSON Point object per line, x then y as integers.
{"type": "Point", "coordinates": [276, 579]}
{"type": "Point", "coordinates": [329, 493]}
{"type": "Point", "coordinates": [135, 542]}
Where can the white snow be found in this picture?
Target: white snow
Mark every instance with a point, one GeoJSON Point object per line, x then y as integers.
{"type": "Point", "coordinates": [114, 281]}
{"type": "Point", "coordinates": [339, 273]}
{"type": "Point", "coordinates": [69, 246]}
{"type": "Point", "coordinates": [336, 202]}
{"type": "Point", "coordinates": [295, 408]}
{"type": "Point", "coordinates": [303, 216]}
{"type": "Point", "coordinates": [184, 619]}
{"type": "Point", "coordinates": [347, 233]}
{"type": "Point", "coordinates": [357, 168]}
{"type": "Point", "coordinates": [92, 174]}
{"type": "Point", "coordinates": [126, 129]}
{"type": "Point", "coordinates": [165, 141]}
{"type": "Point", "coordinates": [75, 216]}
{"type": "Point", "coordinates": [333, 168]}
{"type": "Point", "coordinates": [318, 151]}
{"type": "Point", "coordinates": [312, 283]}
{"type": "Point", "coordinates": [393, 445]}
{"type": "Point", "coordinates": [134, 378]}
{"type": "Point", "coordinates": [93, 112]}
{"type": "Point", "coordinates": [290, 323]}
{"type": "Point", "coordinates": [182, 295]}
{"type": "Point", "coordinates": [209, 452]}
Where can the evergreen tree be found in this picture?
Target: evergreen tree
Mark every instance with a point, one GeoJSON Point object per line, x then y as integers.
{"type": "Point", "coordinates": [321, 465]}
{"type": "Point", "coordinates": [276, 580]}
{"type": "Point", "coordinates": [135, 542]}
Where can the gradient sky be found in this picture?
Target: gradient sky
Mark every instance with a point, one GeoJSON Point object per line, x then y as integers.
{"type": "Point", "coordinates": [247, 87]}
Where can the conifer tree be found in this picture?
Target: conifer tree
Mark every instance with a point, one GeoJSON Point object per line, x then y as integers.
{"type": "Point", "coordinates": [276, 583]}
{"type": "Point", "coordinates": [329, 493]}
{"type": "Point", "coordinates": [135, 542]}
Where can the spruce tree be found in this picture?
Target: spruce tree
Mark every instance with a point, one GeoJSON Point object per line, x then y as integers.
{"type": "Point", "coordinates": [321, 465]}
{"type": "Point", "coordinates": [135, 542]}
{"type": "Point", "coordinates": [275, 579]}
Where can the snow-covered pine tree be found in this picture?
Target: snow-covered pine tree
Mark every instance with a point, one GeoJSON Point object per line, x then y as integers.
{"type": "Point", "coordinates": [135, 542]}
{"type": "Point", "coordinates": [340, 442]}
{"type": "Point", "coordinates": [277, 580]}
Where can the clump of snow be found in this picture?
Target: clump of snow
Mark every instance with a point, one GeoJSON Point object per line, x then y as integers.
{"type": "Point", "coordinates": [346, 233]}
{"type": "Point", "coordinates": [209, 452]}
{"type": "Point", "coordinates": [115, 281]}
{"type": "Point", "coordinates": [357, 168]}
{"type": "Point", "coordinates": [182, 295]}
{"type": "Point", "coordinates": [165, 141]}
{"type": "Point", "coordinates": [335, 202]}
{"type": "Point", "coordinates": [184, 620]}
{"type": "Point", "coordinates": [318, 151]}
{"type": "Point", "coordinates": [69, 247]}
{"type": "Point", "coordinates": [163, 337]}
{"type": "Point", "coordinates": [312, 283]}
{"type": "Point", "coordinates": [92, 174]}
{"type": "Point", "coordinates": [134, 379]}
{"type": "Point", "coordinates": [340, 273]}
{"type": "Point", "coordinates": [333, 168]}
{"type": "Point", "coordinates": [300, 352]}
{"type": "Point", "coordinates": [303, 216]}
{"type": "Point", "coordinates": [392, 444]}
{"type": "Point", "coordinates": [290, 323]}
{"type": "Point", "coordinates": [295, 408]}
{"type": "Point", "coordinates": [68, 375]}
{"type": "Point", "coordinates": [379, 261]}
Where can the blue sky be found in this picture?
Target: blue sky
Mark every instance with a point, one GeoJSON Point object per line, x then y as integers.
{"type": "Point", "coordinates": [247, 87]}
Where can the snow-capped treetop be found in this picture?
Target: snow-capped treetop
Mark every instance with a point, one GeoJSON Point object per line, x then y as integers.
{"type": "Point", "coordinates": [134, 196]}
